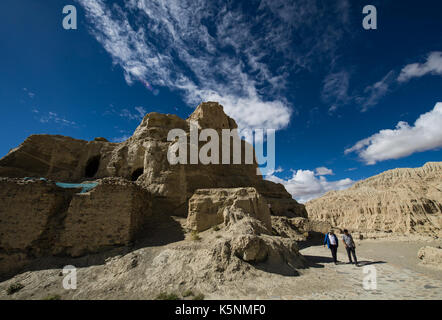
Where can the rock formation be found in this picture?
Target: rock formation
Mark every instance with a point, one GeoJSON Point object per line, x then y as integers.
{"type": "Point", "coordinates": [402, 201]}
{"type": "Point", "coordinates": [143, 158]}
{"type": "Point", "coordinates": [131, 182]}
{"type": "Point", "coordinates": [431, 257]}
{"type": "Point", "coordinates": [210, 207]}
{"type": "Point", "coordinates": [247, 232]}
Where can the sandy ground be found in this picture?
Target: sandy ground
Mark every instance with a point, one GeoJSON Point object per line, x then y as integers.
{"type": "Point", "coordinates": [400, 254]}
{"type": "Point", "coordinates": [135, 274]}
{"type": "Point", "coordinates": [398, 273]}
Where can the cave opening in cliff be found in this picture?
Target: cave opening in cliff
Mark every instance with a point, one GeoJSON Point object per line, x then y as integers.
{"type": "Point", "coordinates": [92, 166]}
{"type": "Point", "coordinates": [136, 174]}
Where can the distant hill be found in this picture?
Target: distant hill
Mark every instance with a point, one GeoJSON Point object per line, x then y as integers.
{"type": "Point", "coordinates": [404, 201]}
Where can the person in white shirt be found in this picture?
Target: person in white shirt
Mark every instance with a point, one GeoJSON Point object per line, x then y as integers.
{"type": "Point", "coordinates": [331, 240]}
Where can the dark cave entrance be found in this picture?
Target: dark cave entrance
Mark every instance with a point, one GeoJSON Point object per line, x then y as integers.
{"type": "Point", "coordinates": [136, 174]}
{"type": "Point", "coordinates": [92, 166]}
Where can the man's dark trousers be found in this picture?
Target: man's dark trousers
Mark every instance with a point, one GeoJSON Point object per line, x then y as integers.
{"type": "Point", "coordinates": [334, 250]}
{"type": "Point", "coordinates": [351, 251]}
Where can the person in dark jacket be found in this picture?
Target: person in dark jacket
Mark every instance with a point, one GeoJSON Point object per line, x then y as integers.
{"type": "Point", "coordinates": [331, 240]}
{"type": "Point", "coordinates": [350, 246]}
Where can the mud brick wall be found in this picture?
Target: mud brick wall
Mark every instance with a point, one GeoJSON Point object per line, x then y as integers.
{"type": "Point", "coordinates": [110, 214]}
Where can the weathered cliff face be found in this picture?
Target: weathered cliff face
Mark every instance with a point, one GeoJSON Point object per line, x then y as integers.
{"type": "Point", "coordinates": [143, 158]}
{"type": "Point", "coordinates": [402, 201]}
{"type": "Point", "coordinates": [58, 158]}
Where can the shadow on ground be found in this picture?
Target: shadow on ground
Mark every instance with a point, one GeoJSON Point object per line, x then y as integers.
{"type": "Point", "coordinates": [319, 261]}
{"type": "Point", "coordinates": [367, 263]}
{"type": "Point", "coordinates": [281, 269]}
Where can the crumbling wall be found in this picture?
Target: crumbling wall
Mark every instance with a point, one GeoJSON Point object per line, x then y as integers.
{"type": "Point", "coordinates": [111, 214]}
{"type": "Point", "coordinates": [38, 218]}
{"type": "Point", "coordinates": [27, 210]}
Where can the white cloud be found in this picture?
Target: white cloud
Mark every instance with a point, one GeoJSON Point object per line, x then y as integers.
{"type": "Point", "coordinates": [304, 185]}
{"type": "Point", "coordinates": [323, 171]}
{"type": "Point", "coordinates": [404, 140]}
{"type": "Point", "coordinates": [277, 170]}
{"type": "Point", "coordinates": [250, 111]}
{"type": "Point", "coordinates": [374, 93]}
{"type": "Point", "coordinates": [433, 66]}
{"type": "Point", "coordinates": [210, 50]}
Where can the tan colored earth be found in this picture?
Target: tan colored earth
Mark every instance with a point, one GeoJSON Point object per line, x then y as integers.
{"type": "Point", "coordinates": [431, 257]}
{"type": "Point", "coordinates": [164, 264]}
{"type": "Point", "coordinates": [400, 201]}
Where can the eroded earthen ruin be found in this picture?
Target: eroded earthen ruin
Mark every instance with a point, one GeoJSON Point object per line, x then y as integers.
{"type": "Point", "coordinates": [131, 181]}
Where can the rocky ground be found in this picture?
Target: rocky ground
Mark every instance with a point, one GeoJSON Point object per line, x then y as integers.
{"type": "Point", "coordinates": [179, 263]}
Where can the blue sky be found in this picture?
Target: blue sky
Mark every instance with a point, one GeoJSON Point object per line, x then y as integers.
{"type": "Point", "coordinates": [348, 101]}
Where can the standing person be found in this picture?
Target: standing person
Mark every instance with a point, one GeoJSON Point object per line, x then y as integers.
{"type": "Point", "coordinates": [350, 246]}
{"type": "Point", "coordinates": [331, 240]}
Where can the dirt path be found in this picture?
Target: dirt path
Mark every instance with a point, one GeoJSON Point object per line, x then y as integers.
{"type": "Point", "coordinates": [398, 275]}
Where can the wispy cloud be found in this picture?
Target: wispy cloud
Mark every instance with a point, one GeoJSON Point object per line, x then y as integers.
{"type": "Point", "coordinates": [121, 139]}
{"type": "Point", "coordinates": [404, 140]}
{"type": "Point", "coordinates": [335, 89]}
{"type": "Point", "coordinates": [210, 50]}
{"type": "Point", "coordinates": [53, 117]}
{"type": "Point", "coordinates": [374, 93]}
{"type": "Point", "coordinates": [138, 115]}
{"type": "Point", "coordinates": [433, 66]}
{"type": "Point", "coordinates": [377, 91]}
{"type": "Point", "coordinates": [29, 93]}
